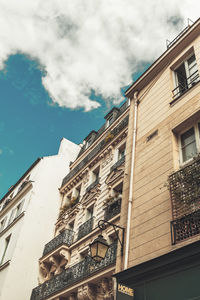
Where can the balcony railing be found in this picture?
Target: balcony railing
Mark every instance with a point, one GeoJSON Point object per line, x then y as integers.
{"type": "Point", "coordinates": [187, 84]}
{"type": "Point", "coordinates": [185, 189]}
{"type": "Point", "coordinates": [85, 228]}
{"type": "Point", "coordinates": [76, 273]}
{"type": "Point", "coordinates": [66, 237]}
{"type": "Point", "coordinates": [118, 163]}
{"type": "Point", "coordinates": [185, 227]}
{"type": "Point", "coordinates": [112, 209]}
{"type": "Point", "coordinates": [92, 185]}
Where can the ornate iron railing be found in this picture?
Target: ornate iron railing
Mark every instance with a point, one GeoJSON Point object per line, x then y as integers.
{"type": "Point", "coordinates": [85, 228]}
{"type": "Point", "coordinates": [65, 237]}
{"type": "Point", "coordinates": [92, 185]}
{"type": "Point", "coordinates": [185, 227]}
{"type": "Point", "coordinates": [185, 189]}
{"type": "Point", "coordinates": [95, 151]}
{"type": "Point", "coordinates": [74, 274]}
{"type": "Point", "coordinates": [118, 163]}
{"type": "Point", "coordinates": [112, 209]}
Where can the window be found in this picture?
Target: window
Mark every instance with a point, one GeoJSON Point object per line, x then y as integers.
{"type": "Point", "coordinates": [109, 120]}
{"type": "Point", "coordinates": [7, 241]}
{"type": "Point", "coordinates": [83, 255]}
{"type": "Point", "coordinates": [89, 142]}
{"type": "Point", "coordinates": [19, 208]}
{"type": "Point", "coordinates": [12, 216]}
{"type": "Point", "coordinates": [186, 75]}
{"type": "Point", "coordinates": [121, 152]}
{"type": "Point", "coordinates": [2, 224]}
{"type": "Point", "coordinates": [71, 225]}
{"type": "Point", "coordinates": [189, 143]}
{"type": "Point", "coordinates": [89, 212]}
{"type": "Point", "coordinates": [16, 212]}
{"type": "Point", "coordinates": [95, 174]}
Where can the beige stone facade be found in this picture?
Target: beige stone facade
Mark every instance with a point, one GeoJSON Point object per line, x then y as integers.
{"type": "Point", "coordinates": [166, 111]}
{"type": "Point", "coordinates": [90, 192]}
{"type": "Point", "coordinates": [157, 181]}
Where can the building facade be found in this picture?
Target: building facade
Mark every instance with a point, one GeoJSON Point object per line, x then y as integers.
{"type": "Point", "coordinates": [27, 214]}
{"type": "Point", "coordinates": [163, 259]}
{"type": "Point", "coordinates": [91, 191]}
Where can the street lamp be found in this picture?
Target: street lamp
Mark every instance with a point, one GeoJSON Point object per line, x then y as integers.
{"type": "Point", "coordinates": [99, 247]}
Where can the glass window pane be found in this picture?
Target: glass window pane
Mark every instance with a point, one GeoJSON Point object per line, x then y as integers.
{"type": "Point", "coordinates": [188, 144]}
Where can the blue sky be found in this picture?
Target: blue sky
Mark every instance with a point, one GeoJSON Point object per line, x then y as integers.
{"type": "Point", "coordinates": [31, 125]}
{"type": "Point", "coordinates": [63, 65]}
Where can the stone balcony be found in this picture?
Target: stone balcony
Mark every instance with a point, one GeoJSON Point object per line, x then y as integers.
{"type": "Point", "coordinates": [85, 228]}
{"type": "Point", "coordinates": [64, 238]}
{"type": "Point", "coordinates": [74, 274]}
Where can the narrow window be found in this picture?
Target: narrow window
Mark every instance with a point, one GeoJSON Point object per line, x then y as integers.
{"type": "Point", "coordinates": [186, 75]}
{"type": "Point", "coordinates": [121, 152]}
{"type": "Point", "coordinates": [7, 241]}
{"type": "Point", "coordinates": [2, 224]}
{"type": "Point", "coordinates": [19, 208]}
{"type": "Point", "coordinates": [95, 174]}
{"type": "Point", "coordinates": [12, 216]}
{"type": "Point", "coordinates": [188, 145]}
{"type": "Point", "coordinates": [89, 213]}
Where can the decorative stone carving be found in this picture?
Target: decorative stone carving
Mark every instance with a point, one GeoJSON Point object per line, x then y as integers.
{"type": "Point", "coordinates": [44, 272]}
{"type": "Point", "coordinates": [107, 159]}
{"type": "Point", "coordinates": [87, 292]}
{"type": "Point", "coordinates": [54, 265]}
{"type": "Point", "coordinates": [106, 289]}
{"type": "Point", "coordinates": [72, 296]}
{"type": "Point", "coordinates": [86, 178]}
{"type": "Point", "coordinates": [115, 175]}
{"type": "Point", "coordinates": [91, 195]}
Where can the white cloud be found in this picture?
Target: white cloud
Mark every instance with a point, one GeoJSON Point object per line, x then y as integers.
{"type": "Point", "coordinates": [89, 45]}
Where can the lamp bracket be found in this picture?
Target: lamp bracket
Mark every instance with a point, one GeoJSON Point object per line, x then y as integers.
{"type": "Point", "coordinates": [102, 226]}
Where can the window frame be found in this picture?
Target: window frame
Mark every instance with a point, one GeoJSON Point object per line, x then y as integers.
{"type": "Point", "coordinates": [187, 71]}
{"type": "Point", "coordinates": [197, 140]}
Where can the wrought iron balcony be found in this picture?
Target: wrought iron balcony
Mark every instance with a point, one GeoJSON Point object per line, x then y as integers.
{"type": "Point", "coordinates": [92, 185]}
{"type": "Point", "coordinates": [85, 228]}
{"type": "Point", "coordinates": [112, 209]}
{"type": "Point", "coordinates": [66, 238]}
{"type": "Point", "coordinates": [185, 189]}
{"type": "Point", "coordinates": [76, 273]}
{"type": "Point", "coordinates": [185, 227]}
{"type": "Point", "coordinates": [118, 163]}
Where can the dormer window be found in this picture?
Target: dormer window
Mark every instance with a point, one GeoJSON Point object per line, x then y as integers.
{"type": "Point", "coordinates": [109, 121]}
{"type": "Point", "coordinates": [111, 116]}
{"type": "Point", "coordinates": [88, 143]}
{"type": "Point", "coordinates": [90, 138]}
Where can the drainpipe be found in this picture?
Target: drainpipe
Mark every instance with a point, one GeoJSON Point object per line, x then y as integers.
{"type": "Point", "coordinates": [135, 97]}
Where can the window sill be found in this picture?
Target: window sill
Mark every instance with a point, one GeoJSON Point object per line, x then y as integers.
{"type": "Point", "coordinates": [11, 224]}
{"type": "Point", "coordinates": [4, 265]}
{"type": "Point", "coordinates": [183, 94]}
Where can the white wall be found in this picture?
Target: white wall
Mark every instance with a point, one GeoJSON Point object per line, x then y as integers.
{"type": "Point", "coordinates": [37, 225]}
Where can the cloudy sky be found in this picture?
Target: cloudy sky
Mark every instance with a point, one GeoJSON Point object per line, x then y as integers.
{"type": "Point", "coordinates": [64, 64]}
